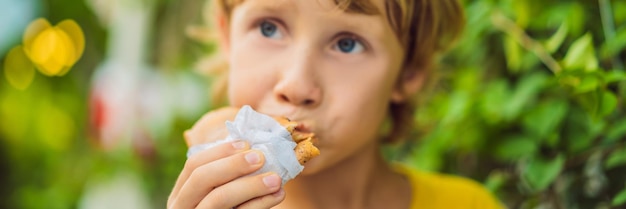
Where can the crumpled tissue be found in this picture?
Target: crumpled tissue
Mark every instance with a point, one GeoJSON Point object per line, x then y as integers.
{"type": "Point", "coordinates": [265, 134]}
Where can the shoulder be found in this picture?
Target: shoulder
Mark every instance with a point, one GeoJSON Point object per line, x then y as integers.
{"type": "Point", "coordinates": [435, 190]}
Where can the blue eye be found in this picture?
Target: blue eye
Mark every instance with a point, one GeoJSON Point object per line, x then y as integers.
{"type": "Point", "coordinates": [270, 30]}
{"type": "Point", "coordinates": [349, 45]}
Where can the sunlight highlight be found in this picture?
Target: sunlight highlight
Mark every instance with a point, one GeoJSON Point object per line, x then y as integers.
{"type": "Point", "coordinates": [18, 69]}
{"type": "Point", "coordinates": [52, 50]}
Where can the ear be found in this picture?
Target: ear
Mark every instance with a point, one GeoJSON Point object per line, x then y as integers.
{"type": "Point", "coordinates": [409, 83]}
{"type": "Point", "coordinates": [223, 33]}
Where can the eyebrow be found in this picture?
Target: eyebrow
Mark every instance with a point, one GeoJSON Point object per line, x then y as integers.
{"type": "Point", "coordinates": [365, 7]}
{"type": "Point", "coordinates": [358, 6]}
{"type": "Point", "coordinates": [275, 6]}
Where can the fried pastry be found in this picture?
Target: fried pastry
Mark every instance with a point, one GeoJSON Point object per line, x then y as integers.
{"type": "Point", "coordinates": [305, 150]}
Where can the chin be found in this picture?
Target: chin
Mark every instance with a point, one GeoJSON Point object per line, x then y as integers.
{"type": "Point", "coordinates": [312, 167]}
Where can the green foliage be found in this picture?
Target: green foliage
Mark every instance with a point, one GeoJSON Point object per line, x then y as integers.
{"type": "Point", "coordinates": [620, 198]}
{"type": "Point", "coordinates": [49, 153]}
{"type": "Point", "coordinates": [539, 173]}
{"type": "Point", "coordinates": [532, 103]}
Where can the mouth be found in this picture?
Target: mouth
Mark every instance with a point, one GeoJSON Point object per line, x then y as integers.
{"type": "Point", "coordinates": [305, 139]}
{"type": "Point", "coordinates": [304, 126]}
{"type": "Point", "coordinates": [299, 130]}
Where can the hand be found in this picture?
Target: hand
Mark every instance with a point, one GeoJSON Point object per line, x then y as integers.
{"type": "Point", "coordinates": [217, 177]}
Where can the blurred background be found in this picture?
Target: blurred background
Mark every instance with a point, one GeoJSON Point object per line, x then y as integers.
{"type": "Point", "coordinates": [531, 103]}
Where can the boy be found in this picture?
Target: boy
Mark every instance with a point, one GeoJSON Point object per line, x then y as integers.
{"type": "Point", "coordinates": [341, 68]}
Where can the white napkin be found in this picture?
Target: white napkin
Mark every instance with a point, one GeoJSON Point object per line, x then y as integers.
{"type": "Point", "coordinates": [264, 134]}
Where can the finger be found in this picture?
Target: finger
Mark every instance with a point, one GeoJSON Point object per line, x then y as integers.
{"type": "Point", "coordinates": [266, 201]}
{"type": "Point", "coordinates": [204, 157]}
{"type": "Point", "coordinates": [241, 190]}
{"type": "Point", "coordinates": [205, 178]}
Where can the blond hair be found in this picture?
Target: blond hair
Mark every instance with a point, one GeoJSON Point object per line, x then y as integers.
{"type": "Point", "coordinates": [426, 29]}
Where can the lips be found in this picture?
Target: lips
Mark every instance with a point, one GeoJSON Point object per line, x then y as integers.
{"type": "Point", "coordinates": [303, 127]}
{"type": "Point", "coordinates": [299, 130]}
{"type": "Point", "coordinates": [305, 150]}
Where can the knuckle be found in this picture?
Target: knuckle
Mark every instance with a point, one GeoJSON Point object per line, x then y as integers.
{"type": "Point", "coordinates": [250, 160]}
{"type": "Point", "coordinates": [267, 201]}
{"type": "Point", "coordinates": [239, 168]}
{"type": "Point", "coordinates": [217, 199]}
{"type": "Point", "coordinates": [191, 163]}
{"type": "Point", "coordinates": [193, 175]}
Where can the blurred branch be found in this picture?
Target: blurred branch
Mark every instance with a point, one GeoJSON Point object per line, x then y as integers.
{"type": "Point", "coordinates": [556, 199]}
{"type": "Point", "coordinates": [608, 27]}
{"type": "Point", "coordinates": [509, 27]}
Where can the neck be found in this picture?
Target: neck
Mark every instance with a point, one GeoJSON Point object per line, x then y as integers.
{"type": "Point", "coordinates": [358, 182]}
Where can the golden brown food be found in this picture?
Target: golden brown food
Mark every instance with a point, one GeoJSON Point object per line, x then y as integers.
{"type": "Point", "coordinates": [305, 150]}
{"type": "Point", "coordinates": [211, 128]}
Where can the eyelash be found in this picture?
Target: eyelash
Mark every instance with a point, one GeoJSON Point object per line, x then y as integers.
{"type": "Point", "coordinates": [357, 38]}
{"type": "Point", "coordinates": [280, 27]}
{"type": "Point", "coordinates": [279, 24]}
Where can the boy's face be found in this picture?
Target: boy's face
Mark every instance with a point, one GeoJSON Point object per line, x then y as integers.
{"type": "Point", "coordinates": [309, 61]}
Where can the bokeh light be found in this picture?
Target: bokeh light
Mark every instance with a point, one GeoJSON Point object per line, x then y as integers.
{"type": "Point", "coordinates": [95, 96]}
{"type": "Point", "coordinates": [18, 69]}
{"type": "Point", "coordinates": [54, 50]}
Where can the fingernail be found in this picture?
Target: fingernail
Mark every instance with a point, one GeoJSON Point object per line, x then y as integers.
{"type": "Point", "coordinates": [253, 158]}
{"type": "Point", "coordinates": [239, 145]}
{"type": "Point", "coordinates": [271, 181]}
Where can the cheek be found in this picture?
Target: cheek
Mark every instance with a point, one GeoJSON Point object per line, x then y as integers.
{"type": "Point", "coordinates": [363, 100]}
{"type": "Point", "coordinates": [366, 108]}
{"type": "Point", "coordinates": [248, 75]}
{"type": "Point", "coordinates": [366, 85]}
{"type": "Point", "coordinates": [253, 66]}
{"type": "Point", "coordinates": [240, 91]}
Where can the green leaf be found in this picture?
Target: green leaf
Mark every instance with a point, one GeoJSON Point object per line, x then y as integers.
{"type": "Point", "coordinates": [579, 141]}
{"type": "Point", "coordinates": [588, 101]}
{"type": "Point", "coordinates": [613, 46]}
{"type": "Point", "coordinates": [427, 156]}
{"type": "Point", "coordinates": [495, 181]}
{"type": "Point", "coordinates": [615, 76]}
{"type": "Point", "coordinates": [581, 55]}
{"type": "Point", "coordinates": [598, 103]}
{"type": "Point", "coordinates": [587, 84]}
{"type": "Point", "coordinates": [540, 173]}
{"type": "Point", "coordinates": [552, 140]}
{"type": "Point", "coordinates": [515, 148]}
{"type": "Point", "coordinates": [543, 120]}
{"type": "Point", "coordinates": [513, 53]}
{"type": "Point", "coordinates": [457, 109]}
{"type": "Point", "coordinates": [525, 92]}
{"type": "Point", "coordinates": [580, 129]}
{"type": "Point", "coordinates": [522, 13]}
{"type": "Point", "coordinates": [617, 158]}
{"type": "Point", "coordinates": [608, 103]}
{"type": "Point", "coordinates": [618, 8]}
{"type": "Point", "coordinates": [617, 131]}
{"type": "Point", "coordinates": [577, 14]}
{"type": "Point", "coordinates": [557, 39]}
{"type": "Point", "coordinates": [620, 198]}
{"type": "Point", "coordinates": [496, 96]}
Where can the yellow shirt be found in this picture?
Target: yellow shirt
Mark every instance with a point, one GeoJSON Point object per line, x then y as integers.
{"type": "Point", "coordinates": [440, 191]}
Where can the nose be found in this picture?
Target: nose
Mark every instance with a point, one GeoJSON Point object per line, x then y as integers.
{"type": "Point", "coordinates": [298, 83]}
